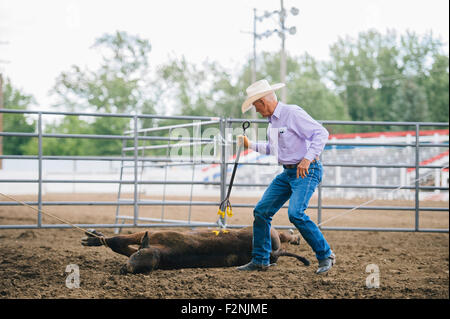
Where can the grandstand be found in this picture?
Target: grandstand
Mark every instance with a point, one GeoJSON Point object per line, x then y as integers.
{"type": "Point", "coordinates": [366, 156]}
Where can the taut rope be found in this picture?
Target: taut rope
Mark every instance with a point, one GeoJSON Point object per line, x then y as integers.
{"type": "Point", "coordinates": [102, 239]}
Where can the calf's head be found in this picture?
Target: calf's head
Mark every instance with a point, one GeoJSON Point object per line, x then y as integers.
{"type": "Point", "coordinates": [144, 260]}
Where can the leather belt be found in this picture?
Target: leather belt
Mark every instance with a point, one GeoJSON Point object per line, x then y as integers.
{"type": "Point", "coordinates": [290, 166]}
{"type": "Point", "coordinates": [295, 165]}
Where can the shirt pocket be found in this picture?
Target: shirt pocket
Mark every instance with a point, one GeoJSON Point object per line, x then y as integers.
{"type": "Point", "coordinates": [285, 138]}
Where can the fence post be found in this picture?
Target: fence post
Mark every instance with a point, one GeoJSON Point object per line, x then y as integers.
{"type": "Point", "coordinates": [165, 176]}
{"type": "Point", "coordinates": [40, 169]}
{"type": "Point", "coordinates": [319, 199]}
{"type": "Point", "coordinates": [196, 156]}
{"type": "Point", "coordinates": [223, 160]}
{"type": "Point", "coordinates": [416, 226]}
{"type": "Point", "coordinates": [373, 180]}
{"type": "Point", "coordinates": [135, 202]}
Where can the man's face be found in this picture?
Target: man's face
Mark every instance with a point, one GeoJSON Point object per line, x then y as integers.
{"type": "Point", "coordinates": [262, 108]}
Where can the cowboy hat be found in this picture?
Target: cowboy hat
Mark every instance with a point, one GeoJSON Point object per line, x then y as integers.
{"type": "Point", "coordinates": [257, 90]}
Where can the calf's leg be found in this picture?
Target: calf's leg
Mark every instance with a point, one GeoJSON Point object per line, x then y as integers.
{"type": "Point", "coordinates": [290, 238]}
{"type": "Point", "coordinates": [274, 255]}
{"type": "Point", "coordinates": [119, 244]}
{"type": "Point", "coordinates": [277, 251]}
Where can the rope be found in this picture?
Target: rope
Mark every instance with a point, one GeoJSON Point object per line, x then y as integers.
{"type": "Point", "coordinates": [102, 239]}
{"type": "Point", "coordinates": [372, 200]}
{"type": "Point", "coordinates": [225, 205]}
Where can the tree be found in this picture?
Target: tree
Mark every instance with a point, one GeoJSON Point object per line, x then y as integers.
{"type": "Point", "coordinates": [211, 90]}
{"type": "Point", "coordinates": [437, 88]}
{"type": "Point", "coordinates": [391, 78]}
{"type": "Point", "coordinates": [375, 77]}
{"type": "Point", "coordinates": [119, 85]}
{"type": "Point", "coordinates": [410, 102]}
{"type": "Point", "coordinates": [307, 90]}
{"type": "Point", "coordinates": [16, 99]}
{"type": "Point", "coordinates": [65, 146]}
{"type": "Point", "coordinates": [187, 86]}
{"type": "Point", "coordinates": [356, 71]}
{"type": "Point", "coordinates": [122, 84]}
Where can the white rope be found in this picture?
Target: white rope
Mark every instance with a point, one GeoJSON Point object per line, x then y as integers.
{"type": "Point", "coordinates": [102, 239]}
{"type": "Point", "coordinates": [372, 200]}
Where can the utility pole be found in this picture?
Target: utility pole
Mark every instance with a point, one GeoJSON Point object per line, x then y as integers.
{"type": "Point", "coordinates": [283, 53]}
{"type": "Point", "coordinates": [253, 111]}
{"type": "Point", "coordinates": [281, 31]}
{"type": "Point", "coordinates": [254, 47]}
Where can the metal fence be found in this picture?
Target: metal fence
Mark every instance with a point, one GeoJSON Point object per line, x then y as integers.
{"type": "Point", "coordinates": [134, 157]}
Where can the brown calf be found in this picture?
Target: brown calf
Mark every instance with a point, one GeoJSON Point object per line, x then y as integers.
{"type": "Point", "coordinates": [173, 250]}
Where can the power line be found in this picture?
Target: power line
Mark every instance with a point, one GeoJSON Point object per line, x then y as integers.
{"type": "Point", "coordinates": [365, 82]}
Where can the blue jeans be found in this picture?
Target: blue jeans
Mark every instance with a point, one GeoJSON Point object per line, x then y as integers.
{"type": "Point", "coordinates": [299, 191]}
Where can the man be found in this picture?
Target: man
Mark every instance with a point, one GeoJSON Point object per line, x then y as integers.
{"type": "Point", "coordinates": [297, 140]}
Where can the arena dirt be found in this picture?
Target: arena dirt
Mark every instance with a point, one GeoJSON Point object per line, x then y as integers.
{"type": "Point", "coordinates": [412, 265]}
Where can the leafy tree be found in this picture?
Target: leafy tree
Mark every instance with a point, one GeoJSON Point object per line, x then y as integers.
{"type": "Point", "coordinates": [390, 78]}
{"type": "Point", "coordinates": [14, 98]}
{"type": "Point", "coordinates": [382, 77]}
{"type": "Point", "coordinates": [437, 88]}
{"type": "Point", "coordinates": [65, 146]}
{"type": "Point", "coordinates": [307, 90]}
{"type": "Point", "coordinates": [117, 86]}
{"type": "Point", "coordinates": [410, 102]}
{"type": "Point", "coordinates": [121, 84]}
{"type": "Point", "coordinates": [214, 91]}
{"type": "Point", "coordinates": [187, 85]}
{"type": "Point", "coordinates": [355, 70]}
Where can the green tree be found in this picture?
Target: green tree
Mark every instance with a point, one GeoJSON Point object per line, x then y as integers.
{"type": "Point", "coordinates": [355, 71]}
{"type": "Point", "coordinates": [14, 98]}
{"type": "Point", "coordinates": [307, 90]}
{"type": "Point", "coordinates": [390, 78]}
{"type": "Point", "coordinates": [65, 146]}
{"type": "Point", "coordinates": [437, 88]}
{"type": "Point", "coordinates": [410, 102]}
{"type": "Point", "coordinates": [187, 86]}
{"type": "Point", "coordinates": [121, 84]}
{"type": "Point", "coordinates": [211, 90]}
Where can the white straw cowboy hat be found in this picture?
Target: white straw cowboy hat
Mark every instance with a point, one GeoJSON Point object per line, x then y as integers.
{"type": "Point", "coordinates": [256, 91]}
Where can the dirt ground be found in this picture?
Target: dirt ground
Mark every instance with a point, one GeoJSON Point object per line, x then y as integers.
{"type": "Point", "coordinates": [411, 265]}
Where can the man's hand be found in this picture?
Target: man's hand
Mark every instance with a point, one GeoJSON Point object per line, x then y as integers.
{"type": "Point", "coordinates": [302, 168]}
{"type": "Point", "coordinates": [243, 139]}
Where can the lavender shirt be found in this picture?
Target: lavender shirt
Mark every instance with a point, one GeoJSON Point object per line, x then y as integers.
{"type": "Point", "coordinates": [292, 135]}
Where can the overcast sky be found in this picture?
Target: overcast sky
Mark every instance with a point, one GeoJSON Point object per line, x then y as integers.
{"type": "Point", "coordinates": [46, 37]}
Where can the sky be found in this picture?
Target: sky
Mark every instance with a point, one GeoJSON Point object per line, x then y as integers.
{"type": "Point", "coordinates": [41, 39]}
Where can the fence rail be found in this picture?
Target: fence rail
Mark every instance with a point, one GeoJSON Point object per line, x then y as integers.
{"type": "Point", "coordinates": [138, 162]}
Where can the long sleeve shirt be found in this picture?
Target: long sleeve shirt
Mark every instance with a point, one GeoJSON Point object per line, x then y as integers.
{"type": "Point", "coordinates": [292, 135]}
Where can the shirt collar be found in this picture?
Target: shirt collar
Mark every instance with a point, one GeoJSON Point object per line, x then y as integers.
{"type": "Point", "coordinates": [276, 112]}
